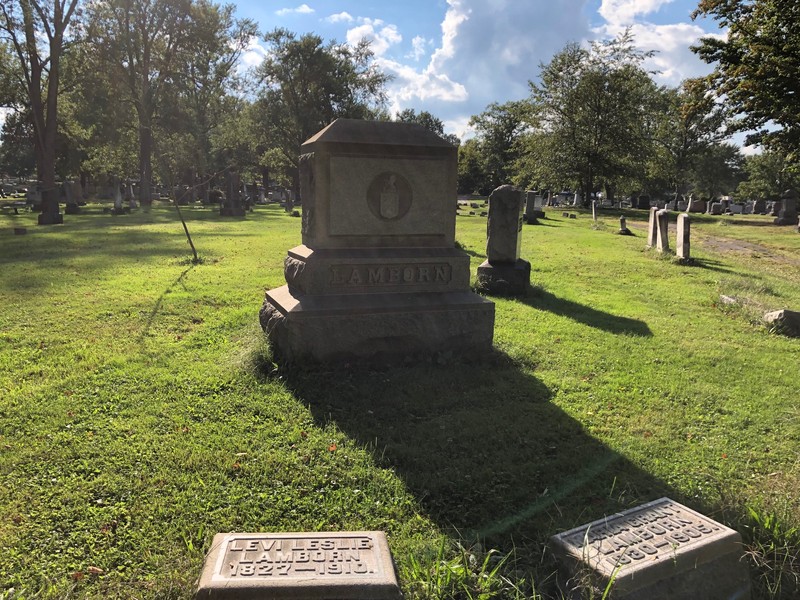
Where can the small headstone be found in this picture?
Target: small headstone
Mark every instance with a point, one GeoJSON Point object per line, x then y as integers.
{"type": "Point", "coordinates": [72, 197]}
{"type": "Point", "coordinates": [623, 227]}
{"type": "Point", "coordinates": [759, 206]}
{"type": "Point", "coordinates": [736, 209]}
{"type": "Point", "coordinates": [661, 550]}
{"type": "Point", "coordinates": [788, 212]}
{"type": "Point", "coordinates": [232, 204]}
{"type": "Point", "coordinates": [696, 205]}
{"type": "Point", "coordinates": [307, 566]}
{"type": "Point", "coordinates": [565, 215]}
{"type": "Point", "coordinates": [504, 272]}
{"type": "Point", "coordinates": [682, 243]}
{"type": "Point", "coordinates": [651, 228]}
{"type": "Point", "coordinates": [20, 231]}
{"type": "Point", "coordinates": [594, 211]}
{"type": "Point", "coordinates": [573, 216]}
{"type": "Point", "coordinates": [531, 210]}
{"type": "Point", "coordinates": [662, 230]}
{"type": "Point", "coordinates": [716, 208]}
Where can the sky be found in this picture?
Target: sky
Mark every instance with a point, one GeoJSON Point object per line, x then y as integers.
{"type": "Point", "coordinates": [455, 57]}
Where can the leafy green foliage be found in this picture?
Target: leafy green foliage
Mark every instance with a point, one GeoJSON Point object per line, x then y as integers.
{"type": "Point", "coordinates": [756, 67]}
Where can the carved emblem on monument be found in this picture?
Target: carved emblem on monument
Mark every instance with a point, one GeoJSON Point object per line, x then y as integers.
{"type": "Point", "coordinates": [389, 196]}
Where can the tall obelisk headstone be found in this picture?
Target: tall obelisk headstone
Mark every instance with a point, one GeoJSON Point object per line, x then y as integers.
{"type": "Point", "coordinates": [503, 271]}
{"type": "Point", "coordinates": [378, 274]}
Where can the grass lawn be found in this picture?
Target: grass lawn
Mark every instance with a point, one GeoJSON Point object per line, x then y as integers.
{"type": "Point", "coordinates": [140, 412]}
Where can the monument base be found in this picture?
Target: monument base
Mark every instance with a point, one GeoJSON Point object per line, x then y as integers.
{"type": "Point", "coordinates": [231, 211]}
{"type": "Point", "coordinates": [51, 218]}
{"type": "Point", "coordinates": [790, 220]}
{"type": "Point", "coordinates": [72, 209]}
{"type": "Point", "coordinates": [374, 327]}
{"type": "Point", "coordinates": [505, 279]}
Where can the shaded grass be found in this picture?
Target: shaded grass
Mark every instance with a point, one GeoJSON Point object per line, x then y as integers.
{"type": "Point", "coordinates": [140, 412]}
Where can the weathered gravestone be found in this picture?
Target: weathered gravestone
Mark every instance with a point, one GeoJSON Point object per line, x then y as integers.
{"type": "Point", "coordinates": [658, 551]}
{"type": "Point", "coordinates": [716, 208]}
{"type": "Point", "coordinates": [232, 204]}
{"type": "Point", "coordinates": [682, 250]}
{"type": "Point", "coordinates": [378, 274]}
{"type": "Point", "coordinates": [503, 271]}
{"type": "Point", "coordinates": [788, 212]}
{"type": "Point", "coordinates": [623, 227]}
{"type": "Point", "coordinates": [652, 234]}
{"type": "Point", "coordinates": [354, 565]}
{"type": "Point", "coordinates": [696, 205]}
{"type": "Point", "coordinates": [759, 206]}
{"type": "Point", "coordinates": [533, 208]}
{"type": "Point", "coordinates": [662, 230]}
{"type": "Point", "coordinates": [73, 193]}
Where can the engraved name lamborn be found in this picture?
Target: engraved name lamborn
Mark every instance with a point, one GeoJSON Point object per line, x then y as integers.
{"type": "Point", "coordinates": [272, 557]}
{"type": "Point", "coordinates": [377, 275]}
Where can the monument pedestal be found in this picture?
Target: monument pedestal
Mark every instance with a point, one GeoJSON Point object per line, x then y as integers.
{"type": "Point", "coordinates": [51, 218]}
{"type": "Point", "coordinates": [505, 279]}
{"type": "Point", "coordinates": [374, 327]}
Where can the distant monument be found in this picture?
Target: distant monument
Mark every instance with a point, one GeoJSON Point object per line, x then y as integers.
{"type": "Point", "coordinates": [378, 275]}
{"type": "Point", "coordinates": [788, 211]}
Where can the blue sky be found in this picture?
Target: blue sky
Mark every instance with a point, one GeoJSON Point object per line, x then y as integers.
{"type": "Point", "coordinates": [454, 57]}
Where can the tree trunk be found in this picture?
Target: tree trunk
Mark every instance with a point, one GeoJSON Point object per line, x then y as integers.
{"type": "Point", "coordinates": [145, 161]}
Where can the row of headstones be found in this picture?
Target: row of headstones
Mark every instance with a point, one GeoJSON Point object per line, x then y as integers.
{"type": "Point", "coordinates": [658, 232]}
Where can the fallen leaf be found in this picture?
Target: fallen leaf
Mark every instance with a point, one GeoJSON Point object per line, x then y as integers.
{"type": "Point", "coordinates": [95, 570]}
{"type": "Point", "coordinates": [77, 576]}
{"type": "Point", "coordinates": [332, 448]}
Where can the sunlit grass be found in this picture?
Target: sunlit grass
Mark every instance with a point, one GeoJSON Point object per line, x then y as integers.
{"type": "Point", "coordinates": [140, 412]}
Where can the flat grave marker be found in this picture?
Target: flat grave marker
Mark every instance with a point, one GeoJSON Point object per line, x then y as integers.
{"type": "Point", "coordinates": [659, 550]}
{"type": "Point", "coordinates": [349, 565]}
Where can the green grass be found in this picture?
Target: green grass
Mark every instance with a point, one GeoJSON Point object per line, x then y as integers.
{"type": "Point", "coordinates": [140, 412]}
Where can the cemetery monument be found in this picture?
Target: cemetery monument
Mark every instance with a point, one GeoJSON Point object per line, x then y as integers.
{"type": "Point", "coordinates": [378, 274]}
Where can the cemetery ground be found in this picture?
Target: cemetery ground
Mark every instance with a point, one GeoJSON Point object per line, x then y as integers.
{"type": "Point", "coordinates": [140, 412]}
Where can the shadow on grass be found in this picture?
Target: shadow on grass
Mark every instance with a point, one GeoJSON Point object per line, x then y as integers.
{"type": "Point", "coordinates": [482, 447]}
{"type": "Point", "coordinates": [544, 300]}
{"type": "Point", "coordinates": [160, 300]}
{"type": "Point", "coordinates": [705, 263]}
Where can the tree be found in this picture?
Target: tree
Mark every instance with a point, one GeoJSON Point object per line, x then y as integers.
{"type": "Point", "coordinates": [428, 121]}
{"type": "Point", "coordinates": [756, 68]}
{"type": "Point", "coordinates": [595, 112]}
{"type": "Point", "coordinates": [141, 41]}
{"type": "Point", "coordinates": [718, 170]}
{"type": "Point", "coordinates": [689, 123]}
{"type": "Point", "coordinates": [767, 177]}
{"type": "Point", "coordinates": [205, 75]}
{"type": "Point", "coordinates": [36, 31]}
{"type": "Point", "coordinates": [307, 84]}
{"type": "Point", "coordinates": [472, 177]}
{"type": "Point", "coordinates": [498, 128]}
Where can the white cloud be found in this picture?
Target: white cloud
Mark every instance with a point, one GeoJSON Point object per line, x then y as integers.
{"type": "Point", "coordinates": [381, 36]}
{"type": "Point", "coordinates": [623, 12]}
{"type": "Point", "coordinates": [418, 47]}
{"type": "Point", "coordinates": [487, 52]}
{"type": "Point", "coordinates": [673, 60]}
{"type": "Point", "coordinates": [253, 54]}
{"type": "Point", "coordinates": [303, 9]}
{"type": "Point", "coordinates": [342, 17]}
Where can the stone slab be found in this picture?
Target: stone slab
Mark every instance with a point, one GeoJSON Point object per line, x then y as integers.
{"type": "Point", "coordinates": [374, 327]}
{"type": "Point", "coordinates": [353, 565]}
{"type": "Point", "coordinates": [512, 279]}
{"type": "Point", "coordinates": [660, 550]}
